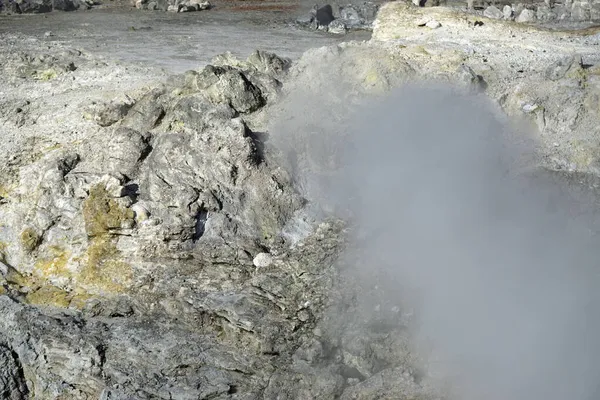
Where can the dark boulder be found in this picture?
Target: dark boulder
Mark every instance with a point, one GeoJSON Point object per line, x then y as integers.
{"type": "Point", "coordinates": [65, 5]}
{"type": "Point", "coordinates": [324, 15]}
{"type": "Point", "coordinates": [32, 6]}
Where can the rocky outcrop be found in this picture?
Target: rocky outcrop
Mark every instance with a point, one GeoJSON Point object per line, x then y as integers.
{"type": "Point", "coordinates": [179, 166]}
{"type": "Point", "coordinates": [163, 242]}
{"type": "Point", "coordinates": [42, 6]}
{"type": "Point", "coordinates": [12, 381]}
{"type": "Point", "coordinates": [172, 5]}
{"type": "Point", "coordinates": [349, 17]}
{"type": "Point", "coordinates": [169, 255]}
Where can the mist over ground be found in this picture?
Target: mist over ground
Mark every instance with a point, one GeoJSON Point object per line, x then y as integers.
{"type": "Point", "coordinates": [498, 260]}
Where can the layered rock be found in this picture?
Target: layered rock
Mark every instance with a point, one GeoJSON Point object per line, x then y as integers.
{"type": "Point", "coordinates": [159, 246]}
{"type": "Point", "coordinates": [168, 255]}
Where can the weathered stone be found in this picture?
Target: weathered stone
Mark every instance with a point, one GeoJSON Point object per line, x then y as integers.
{"type": "Point", "coordinates": [467, 77]}
{"type": "Point", "coordinates": [580, 11]}
{"type": "Point", "coordinates": [12, 380]}
{"type": "Point", "coordinates": [433, 24]}
{"type": "Point", "coordinates": [545, 13]}
{"type": "Point", "coordinates": [65, 5]}
{"type": "Point", "coordinates": [324, 15]}
{"type": "Point", "coordinates": [561, 67]}
{"type": "Point", "coordinates": [306, 19]}
{"type": "Point", "coordinates": [146, 113]}
{"type": "Point", "coordinates": [262, 260]}
{"type": "Point", "coordinates": [269, 63]}
{"type": "Point", "coordinates": [507, 12]}
{"type": "Point", "coordinates": [350, 15]}
{"type": "Point", "coordinates": [493, 13]}
{"type": "Point", "coordinates": [526, 16]}
{"type": "Point", "coordinates": [142, 284]}
{"type": "Point", "coordinates": [368, 10]}
{"type": "Point", "coordinates": [109, 113]}
{"type": "Point", "coordinates": [337, 27]}
{"type": "Point", "coordinates": [518, 9]}
{"type": "Point", "coordinates": [33, 6]}
{"type": "Point", "coordinates": [595, 11]}
{"type": "Point", "coordinates": [229, 86]}
{"type": "Point", "coordinates": [200, 5]}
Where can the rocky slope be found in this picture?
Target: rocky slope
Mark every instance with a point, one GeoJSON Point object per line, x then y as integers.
{"type": "Point", "coordinates": [156, 242]}
{"type": "Point", "coordinates": [153, 247]}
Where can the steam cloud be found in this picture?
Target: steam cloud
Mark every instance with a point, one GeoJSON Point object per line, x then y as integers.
{"type": "Point", "coordinates": [499, 262]}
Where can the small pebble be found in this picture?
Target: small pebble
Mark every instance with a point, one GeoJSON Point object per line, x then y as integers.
{"type": "Point", "coordinates": [262, 260]}
{"type": "Point", "coordinates": [433, 24]}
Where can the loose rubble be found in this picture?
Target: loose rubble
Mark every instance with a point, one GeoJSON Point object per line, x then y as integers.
{"type": "Point", "coordinates": [42, 6]}
{"type": "Point", "coordinates": [172, 5]}
{"type": "Point", "coordinates": [349, 17]}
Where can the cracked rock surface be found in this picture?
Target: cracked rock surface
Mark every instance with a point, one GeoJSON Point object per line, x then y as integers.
{"type": "Point", "coordinates": [158, 235]}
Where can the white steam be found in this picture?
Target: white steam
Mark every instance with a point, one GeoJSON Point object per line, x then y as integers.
{"type": "Point", "coordinates": [500, 263]}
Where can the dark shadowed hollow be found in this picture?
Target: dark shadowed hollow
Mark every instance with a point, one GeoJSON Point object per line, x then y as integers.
{"type": "Point", "coordinates": [499, 261]}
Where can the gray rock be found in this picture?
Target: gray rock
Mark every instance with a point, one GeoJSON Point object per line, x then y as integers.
{"type": "Point", "coordinates": [192, 5]}
{"type": "Point", "coordinates": [561, 67]}
{"type": "Point", "coordinates": [493, 13]}
{"type": "Point", "coordinates": [544, 13]}
{"type": "Point", "coordinates": [518, 9]}
{"type": "Point", "coordinates": [562, 13]}
{"type": "Point", "coordinates": [109, 113]}
{"type": "Point", "coordinates": [201, 5]}
{"type": "Point", "coordinates": [526, 16]}
{"type": "Point", "coordinates": [507, 12]}
{"type": "Point", "coordinates": [31, 6]}
{"type": "Point", "coordinates": [433, 24]}
{"type": "Point", "coordinates": [12, 381]}
{"type": "Point", "coordinates": [43, 6]}
{"type": "Point", "coordinates": [262, 260]}
{"type": "Point", "coordinates": [368, 10]}
{"type": "Point", "coordinates": [306, 19]}
{"type": "Point", "coordinates": [350, 14]}
{"type": "Point", "coordinates": [580, 11]}
{"type": "Point", "coordinates": [125, 149]}
{"type": "Point", "coordinates": [269, 63]}
{"type": "Point", "coordinates": [227, 85]}
{"type": "Point", "coordinates": [337, 27]}
{"type": "Point", "coordinates": [324, 15]}
{"type": "Point", "coordinates": [263, 69]}
{"type": "Point", "coordinates": [595, 11]}
{"type": "Point", "coordinates": [389, 383]}
{"type": "Point", "coordinates": [146, 113]}
{"type": "Point", "coordinates": [65, 5]}
{"type": "Point", "coordinates": [468, 78]}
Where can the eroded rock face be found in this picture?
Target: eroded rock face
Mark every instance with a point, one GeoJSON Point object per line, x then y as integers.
{"type": "Point", "coordinates": [12, 381]}
{"type": "Point", "coordinates": [150, 260]}
{"type": "Point", "coordinates": [171, 253]}
{"type": "Point", "coordinates": [182, 153]}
